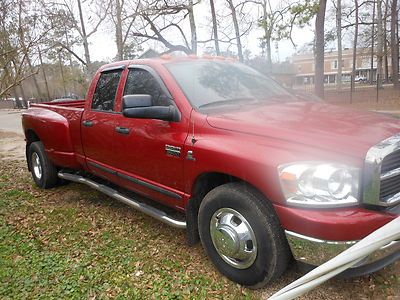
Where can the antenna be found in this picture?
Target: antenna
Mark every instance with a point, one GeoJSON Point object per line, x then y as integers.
{"type": "Point", "coordinates": [193, 138]}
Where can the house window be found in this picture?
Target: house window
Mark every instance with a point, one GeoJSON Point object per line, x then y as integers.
{"type": "Point", "coordinates": [334, 64]}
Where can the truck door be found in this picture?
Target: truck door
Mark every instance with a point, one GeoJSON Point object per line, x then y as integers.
{"type": "Point", "coordinates": [98, 123]}
{"type": "Point", "coordinates": [149, 152]}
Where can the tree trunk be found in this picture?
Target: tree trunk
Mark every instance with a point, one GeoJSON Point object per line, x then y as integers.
{"type": "Point", "coordinates": [385, 48]}
{"type": "Point", "coordinates": [118, 31]}
{"type": "Point", "coordinates": [394, 42]}
{"type": "Point", "coordinates": [319, 49]}
{"type": "Point", "coordinates": [85, 39]}
{"type": "Point", "coordinates": [371, 72]}
{"type": "Point", "coordinates": [71, 64]}
{"type": "Point", "coordinates": [269, 53]}
{"type": "Point", "coordinates": [267, 36]}
{"type": "Point", "coordinates": [385, 62]}
{"type": "Point", "coordinates": [62, 73]}
{"type": "Point", "coordinates": [237, 31]}
{"type": "Point", "coordinates": [31, 68]}
{"type": "Point", "coordinates": [355, 42]}
{"type": "Point", "coordinates": [380, 43]}
{"type": "Point", "coordinates": [192, 27]}
{"type": "Point", "coordinates": [44, 75]}
{"type": "Point", "coordinates": [25, 49]}
{"type": "Point", "coordinates": [18, 103]}
{"type": "Point", "coordinates": [215, 27]}
{"type": "Point", "coordinates": [24, 101]}
{"type": "Point", "coordinates": [21, 90]}
{"type": "Point", "coordinates": [35, 82]}
{"type": "Point", "coordinates": [339, 42]}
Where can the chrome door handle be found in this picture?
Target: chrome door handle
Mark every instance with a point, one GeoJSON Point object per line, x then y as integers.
{"type": "Point", "coordinates": [87, 123]}
{"type": "Point", "coordinates": [122, 130]}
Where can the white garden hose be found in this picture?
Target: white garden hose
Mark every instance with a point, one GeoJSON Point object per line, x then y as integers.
{"type": "Point", "coordinates": [376, 240]}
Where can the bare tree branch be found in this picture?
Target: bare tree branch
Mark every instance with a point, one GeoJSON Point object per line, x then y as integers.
{"type": "Point", "coordinates": [16, 83]}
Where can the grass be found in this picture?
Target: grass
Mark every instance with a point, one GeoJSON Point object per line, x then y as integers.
{"type": "Point", "coordinates": [72, 242]}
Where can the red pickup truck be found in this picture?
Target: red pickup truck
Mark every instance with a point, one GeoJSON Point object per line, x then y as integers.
{"type": "Point", "coordinates": [261, 176]}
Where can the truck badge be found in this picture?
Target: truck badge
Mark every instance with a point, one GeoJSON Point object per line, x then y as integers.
{"type": "Point", "coordinates": [173, 150]}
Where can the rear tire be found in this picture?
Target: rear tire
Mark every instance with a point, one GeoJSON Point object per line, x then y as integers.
{"type": "Point", "coordinates": [242, 236]}
{"type": "Point", "coordinates": [44, 173]}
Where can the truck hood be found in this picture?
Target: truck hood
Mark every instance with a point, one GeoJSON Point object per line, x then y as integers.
{"type": "Point", "coordinates": [319, 125]}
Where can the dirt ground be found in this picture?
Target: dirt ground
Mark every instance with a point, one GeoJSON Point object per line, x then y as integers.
{"type": "Point", "coordinates": [12, 146]}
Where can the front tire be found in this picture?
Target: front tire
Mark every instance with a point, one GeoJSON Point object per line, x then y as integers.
{"type": "Point", "coordinates": [241, 234]}
{"type": "Point", "coordinates": [44, 173]}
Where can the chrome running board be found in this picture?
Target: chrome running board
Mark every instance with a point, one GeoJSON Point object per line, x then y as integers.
{"type": "Point", "coordinates": [147, 209]}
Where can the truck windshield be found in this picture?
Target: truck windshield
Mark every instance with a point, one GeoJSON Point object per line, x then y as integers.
{"type": "Point", "coordinates": [216, 83]}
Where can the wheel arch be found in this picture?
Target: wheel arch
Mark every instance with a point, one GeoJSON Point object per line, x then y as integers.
{"type": "Point", "coordinates": [31, 137]}
{"type": "Point", "coordinates": [203, 184]}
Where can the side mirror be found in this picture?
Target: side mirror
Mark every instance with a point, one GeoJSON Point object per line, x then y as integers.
{"type": "Point", "coordinates": [140, 107]}
{"type": "Point", "coordinates": [132, 101]}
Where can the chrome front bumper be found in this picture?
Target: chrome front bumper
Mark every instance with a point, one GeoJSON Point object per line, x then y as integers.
{"type": "Point", "coordinates": [315, 252]}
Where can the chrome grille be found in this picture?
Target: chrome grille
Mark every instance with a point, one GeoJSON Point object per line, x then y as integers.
{"type": "Point", "coordinates": [391, 162]}
{"type": "Point", "coordinates": [390, 187]}
{"type": "Point", "coordinates": [382, 173]}
{"type": "Point", "coordinates": [390, 177]}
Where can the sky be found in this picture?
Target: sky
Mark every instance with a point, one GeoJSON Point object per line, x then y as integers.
{"type": "Point", "coordinates": [105, 36]}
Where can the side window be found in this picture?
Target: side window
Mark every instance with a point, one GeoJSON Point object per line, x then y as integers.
{"type": "Point", "coordinates": [106, 89]}
{"type": "Point", "coordinates": [142, 82]}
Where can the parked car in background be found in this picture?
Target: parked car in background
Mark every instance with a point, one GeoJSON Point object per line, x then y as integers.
{"type": "Point", "coordinates": [361, 79]}
{"type": "Point", "coordinates": [66, 98]}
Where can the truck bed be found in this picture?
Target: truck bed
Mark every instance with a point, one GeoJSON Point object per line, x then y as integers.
{"type": "Point", "coordinates": [66, 103]}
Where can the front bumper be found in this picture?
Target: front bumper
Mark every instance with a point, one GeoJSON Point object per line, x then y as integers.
{"type": "Point", "coordinates": [314, 252]}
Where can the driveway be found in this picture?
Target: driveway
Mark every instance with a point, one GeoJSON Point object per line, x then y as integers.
{"type": "Point", "coordinates": [12, 144]}
{"type": "Point", "coordinates": [10, 120]}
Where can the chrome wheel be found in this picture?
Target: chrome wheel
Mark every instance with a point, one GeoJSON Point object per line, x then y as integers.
{"type": "Point", "coordinates": [36, 165]}
{"type": "Point", "coordinates": [233, 238]}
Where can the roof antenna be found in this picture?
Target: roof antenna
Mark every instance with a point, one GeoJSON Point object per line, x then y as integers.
{"type": "Point", "coordinates": [193, 138]}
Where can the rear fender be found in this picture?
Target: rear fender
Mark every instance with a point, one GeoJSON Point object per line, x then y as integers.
{"type": "Point", "coordinates": [53, 130]}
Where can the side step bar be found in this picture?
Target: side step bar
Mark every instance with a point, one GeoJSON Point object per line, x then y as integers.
{"type": "Point", "coordinates": [147, 209]}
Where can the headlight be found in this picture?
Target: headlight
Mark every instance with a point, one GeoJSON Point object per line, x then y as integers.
{"type": "Point", "coordinates": [318, 184]}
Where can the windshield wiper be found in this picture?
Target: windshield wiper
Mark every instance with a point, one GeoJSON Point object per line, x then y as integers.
{"type": "Point", "coordinates": [228, 102]}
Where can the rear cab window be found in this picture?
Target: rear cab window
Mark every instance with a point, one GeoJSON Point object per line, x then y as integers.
{"type": "Point", "coordinates": [106, 90]}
